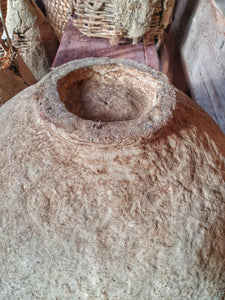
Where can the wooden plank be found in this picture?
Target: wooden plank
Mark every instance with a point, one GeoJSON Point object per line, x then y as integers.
{"type": "Point", "coordinates": [203, 52]}
{"type": "Point", "coordinates": [221, 5]}
{"type": "Point", "coordinates": [197, 35]}
{"type": "Point", "coordinates": [74, 45]}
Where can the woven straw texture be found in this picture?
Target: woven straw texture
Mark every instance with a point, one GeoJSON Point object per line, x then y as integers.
{"type": "Point", "coordinates": [112, 19]}
{"type": "Point", "coordinates": [58, 12]}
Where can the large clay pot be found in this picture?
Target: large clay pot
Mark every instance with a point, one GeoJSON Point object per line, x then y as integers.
{"type": "Point", "coordinates": [112, 187]}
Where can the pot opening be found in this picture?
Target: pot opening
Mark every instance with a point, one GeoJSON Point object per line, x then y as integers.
{"type": "Point", "coordinates": [106, 93]}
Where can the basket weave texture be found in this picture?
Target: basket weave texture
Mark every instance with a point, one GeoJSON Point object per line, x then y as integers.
{"type": "Point", "coordinates": [112, 19]}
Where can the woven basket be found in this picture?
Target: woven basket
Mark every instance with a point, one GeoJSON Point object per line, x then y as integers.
{"type": "Point", "coordinates": [96, 18]}
{"type": "Point", "coordinates": [58, 13]}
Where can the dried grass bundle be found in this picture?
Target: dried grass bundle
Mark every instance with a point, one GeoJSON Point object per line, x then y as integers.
{"type": "Point", "coordinates": [133, 16]}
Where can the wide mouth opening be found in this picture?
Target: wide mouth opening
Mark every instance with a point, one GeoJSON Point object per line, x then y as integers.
{"type": "Point", "coordinates": [105, 101]}
{"type": "Point", "coordinates": [107, 93]}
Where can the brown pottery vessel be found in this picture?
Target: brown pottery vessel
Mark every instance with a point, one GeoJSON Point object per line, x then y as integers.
{"type": "Point", "coordinates": [112, 187]}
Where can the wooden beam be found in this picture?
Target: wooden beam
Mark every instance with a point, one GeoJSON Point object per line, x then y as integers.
{"type": "Point", "coordinates": [203, 53]}
{"type": "Point", "coordinates": [194, 54]}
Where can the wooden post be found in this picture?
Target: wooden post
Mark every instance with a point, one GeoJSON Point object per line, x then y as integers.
{"type": "Point", "coordinates": [203, 53]}
{"type": "Point", "coordinates": [197, 35]}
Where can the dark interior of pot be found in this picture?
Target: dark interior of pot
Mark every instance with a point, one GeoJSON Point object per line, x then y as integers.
{"type": "Point", "coordinates": [106, 93]}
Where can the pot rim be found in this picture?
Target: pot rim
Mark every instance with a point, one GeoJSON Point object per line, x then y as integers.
{"type": "Point", "coordinates": [124, 132]}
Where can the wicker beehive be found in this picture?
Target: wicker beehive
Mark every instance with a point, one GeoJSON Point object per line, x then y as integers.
{"type": "Point", "coordinates": [112, 19]}
{"type": "Point", "coordinates": [58, 13]}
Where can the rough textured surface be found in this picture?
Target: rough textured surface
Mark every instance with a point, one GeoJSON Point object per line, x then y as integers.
{"type": "Point", "coordinates": [25, 19]}
{"type": "Point", "coordinates": [130, 209]}
{"type": "Point", "coordinates": [138, 18]}
{"type": "Point", "coordinates": [133, 16]}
